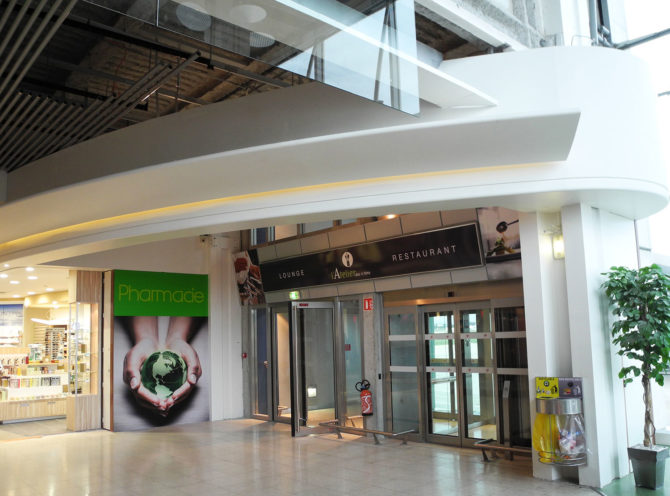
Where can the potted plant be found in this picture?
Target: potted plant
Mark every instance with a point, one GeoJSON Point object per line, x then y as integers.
{"type": "Point", "coordinates": [641, 301]}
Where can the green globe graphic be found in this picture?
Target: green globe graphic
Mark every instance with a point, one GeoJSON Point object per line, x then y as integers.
{"type": "Point", "coordinates": [163, 372]}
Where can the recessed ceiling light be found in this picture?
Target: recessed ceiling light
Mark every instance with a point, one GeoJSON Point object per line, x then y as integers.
{"type": "Point", "coordinates": [50, 289]}
{"type": "Point", "coordinates": [193, 16]}
{"type": "Point", "coordinates": [6, 265]}
{"type": "Point", "coordinates": [30, 269]}
{"type": "Point", "coordinates": [13, 282]}
{"type": "Point", "coordinates": [247, 14]}
{"type": "Point", "coordinates": [16, 296]}
{"type": "Point", "coordinates": [32, 278]}
{"type": "Point", "coordinates": [260, 40]}
{"type": "Point", "coordinates": [31, 293]}
{"type": "Point", "coordinates": [4, 276]}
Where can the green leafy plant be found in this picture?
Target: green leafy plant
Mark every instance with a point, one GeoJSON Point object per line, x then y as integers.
{"type": "Point", "coordinates": [641, 301]}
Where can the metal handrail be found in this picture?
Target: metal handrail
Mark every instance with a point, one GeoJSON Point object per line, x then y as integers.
{"type": "Point", "coordinates": [334, 424]}
{"type": "Point", "coordinates": [485, 444]}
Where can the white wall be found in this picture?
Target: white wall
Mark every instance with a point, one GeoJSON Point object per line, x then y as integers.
{"type": "Point", "coordinates": [185, 255]}
{"type": "Point", "coordinates": [225, 321]}
{"type": "Point", "coordinates": [594, 241]}
{"type": "Point", "coordinates": [195, 255]}
{"type": "Point", "coordinates": [567, 318]}
{"type": "Point", "coordinates": [362, 160]}
{"type": "Point", "coordinates": [546, 304]}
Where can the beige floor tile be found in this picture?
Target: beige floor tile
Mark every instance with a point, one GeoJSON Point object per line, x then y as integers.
{"type": "Point", "coordinates": [248, 457]}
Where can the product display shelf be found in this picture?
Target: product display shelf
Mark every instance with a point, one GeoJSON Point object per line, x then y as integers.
{"type": "Point", "coordinates": [79, 348]}
{"type": "Point", "coordinates": [55, 342]}
{"type": "Point", "coordinates": [33, 387]}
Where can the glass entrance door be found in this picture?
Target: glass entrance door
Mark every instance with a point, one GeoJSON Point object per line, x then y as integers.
{"type": "Point", "coordinates": [313, 367]}
{"type": "Point", "coordinates": [441, 370]}
{"type": "Point", "coordinates": [262, 358]}
{"type": "Point", "coordinates": [281, 371]}
{"type": "Point", "coordinates": [458, 373]}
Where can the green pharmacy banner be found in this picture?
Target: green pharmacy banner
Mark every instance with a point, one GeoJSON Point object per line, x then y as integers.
{"type": "Point", "coordinates": [161, 349]}
{"type": "Point", "coordinates": [160, 293]}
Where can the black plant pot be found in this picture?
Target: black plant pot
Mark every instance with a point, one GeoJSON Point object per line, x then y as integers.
{"type": "Point", "coordinates": [648, 465]}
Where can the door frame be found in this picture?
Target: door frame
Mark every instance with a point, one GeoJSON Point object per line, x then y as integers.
{"type": "Point", "coordinates": [476, 304]}
{"type": "Point", "coordinates": [298, 392]}
{"type": "Point", "coordinates": [423, 396]}
{"type": "Point", "coordinates": [253, 342]}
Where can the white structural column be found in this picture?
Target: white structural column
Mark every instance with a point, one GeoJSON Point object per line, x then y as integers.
{"type": "Point", "coordinates": [594, 241]}
{"type": "Point", "coordinates": [547, 336]}
{"type": "Point", "coordinates": [225, 331]}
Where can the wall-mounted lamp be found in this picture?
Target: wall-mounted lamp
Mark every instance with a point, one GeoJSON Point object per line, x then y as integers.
{"type": "Point", "coordinates": [557, 244]}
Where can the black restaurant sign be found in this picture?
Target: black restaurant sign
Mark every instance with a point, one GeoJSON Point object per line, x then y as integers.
{"type": "Point", "coordinates": [444, 249]}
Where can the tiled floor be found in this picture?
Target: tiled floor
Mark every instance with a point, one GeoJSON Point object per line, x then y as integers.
{"type": "Point", "coordinates": [20, 430]}
{"type": "Point", "coordinates": [248, 457]}
{"type": "Point", "coordinates": [626, 487]}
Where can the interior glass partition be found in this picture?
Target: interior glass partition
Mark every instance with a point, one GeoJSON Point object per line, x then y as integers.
{"type": "Point", "coordinates": [282, 369]}
{"type": "Point", "coordinates": [353, 360]}
{"type": "Point", "coordinates": [462, 375]}
{"type": "Point", "coordinates": [402, 362]}
{"type": "Point", "coordinates": [366, 48]}
{"type": "Point", "coordinates": [313, 366]}
{"type": "Point", "coordinates": [261, 380]}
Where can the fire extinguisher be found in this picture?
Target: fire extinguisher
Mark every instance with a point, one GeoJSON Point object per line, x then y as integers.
{"type": "Point", "coordinates": [366, 396]}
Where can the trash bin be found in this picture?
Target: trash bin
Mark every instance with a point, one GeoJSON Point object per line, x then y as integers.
{"type": "Point", "coordinates": [558, 432]}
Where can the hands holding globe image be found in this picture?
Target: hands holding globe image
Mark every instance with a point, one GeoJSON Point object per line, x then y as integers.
{"type": "Point", "coordinates": [160, 376]}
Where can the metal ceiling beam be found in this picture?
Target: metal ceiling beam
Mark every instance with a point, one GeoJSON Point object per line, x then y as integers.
{"type": "Point", "coordinates": [20, 66]}
{"type": "Point", "coordinates": [117, 34]}
{"type": "Point", "coordinates": [101, 29]}
{"type": "Point", "coordinates": [51, 62]}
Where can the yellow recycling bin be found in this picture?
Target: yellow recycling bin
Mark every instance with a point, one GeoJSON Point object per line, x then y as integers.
{"type": "Point", "coordinates": [558, 432]}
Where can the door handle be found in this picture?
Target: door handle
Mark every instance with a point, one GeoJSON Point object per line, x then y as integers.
{"type": "Point", "coordinates": [265, 362]}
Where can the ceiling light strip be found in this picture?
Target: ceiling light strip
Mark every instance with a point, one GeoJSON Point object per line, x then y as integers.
{"type": "Point", "coordinates": [65, 116]}
{"type": "Point", "coordinates": [16, 44]}
{"type": "Point", "coordinates": [36, 52]}
{"type": "Point", "coordinates": [5, 16]}
{"type": "Point", "coordinates": [12, 29]}
{"type": "Point", "coordinates": [39, 131]}
{"type": "Point", "coordinates": [22, 127]}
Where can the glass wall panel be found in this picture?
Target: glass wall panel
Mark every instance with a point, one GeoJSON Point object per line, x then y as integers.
{"type": "Point", "coordinates": [400, 324]}
{"type": "Point", "coordinates": [352, 355]}
{"type": "Point", "coordinates": [443, 391]}
{"type": "Point", "coordinates": [370, 51]}
{"type": "Point", "coordinates": [283, 370]}
{"type": "Point", "coordinates": [259, 319]}
{"type": "Point", "coordinates": [477, 353]}
{"type": "Point", "coordinates": [404, 401]}
{"type": "Point", "coordinates": [403, 353]}
{"type": "Point", "coordinates": [144, 10]}
{"type": "Point", "coordinates": [319, 364]}
{"type": "Point", "coordinates": [511, 353]}
{"type": "Point", "coordinates": [518, 415]}
{"type": "Point", "coordinates": [510, 319]}
{"type": "Point", "coordinates": [480, 406]}
{"type": "Point", "coordinates": [440, 323]}
{"type": "Point", "coordinates": [441, 353]}
{"type": "Point", "coordinates": [476, 320]}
